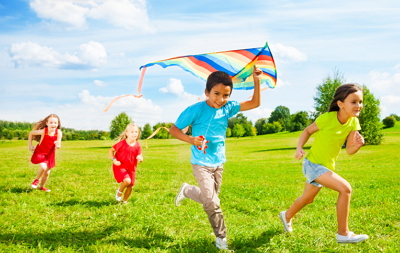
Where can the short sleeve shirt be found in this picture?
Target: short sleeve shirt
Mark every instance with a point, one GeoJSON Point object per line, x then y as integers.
{"type": "Point", "coordinates": [330, 138]}
{"type": "Point", "coordinates": [127, 154]}
{"type": "Point", "coordinates": [211, 123]}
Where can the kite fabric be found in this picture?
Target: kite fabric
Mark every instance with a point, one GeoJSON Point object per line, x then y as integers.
{"type": "Point", "coordinates": [239, 64]}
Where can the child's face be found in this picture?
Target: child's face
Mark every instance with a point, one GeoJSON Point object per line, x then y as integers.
{"type": "Point", "coordinates": [218, 96]}
{"type": "Point", "coordinates": [52, 123]}
{"type": "Point", "coordinates": [352, 104]}
{"type": "Point", "coordinates": [132, 133]}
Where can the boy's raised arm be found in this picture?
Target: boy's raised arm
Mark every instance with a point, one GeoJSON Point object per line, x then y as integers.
{"type": "Point", "coordinates": [256, 98]}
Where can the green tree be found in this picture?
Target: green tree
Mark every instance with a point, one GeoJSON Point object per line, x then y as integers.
{"type": "Point", "coordinates": [242, 120]}
{"type": "Point", "coordinates": [238, 130]}
{"type": "Point", "coordinates": [281, 114]}
{"type": "Point", "coordinates": [146, 132]}
{"type": "Point", "coordinates": [369, 119]}
{"type": "Point", "coordinates": [397, 117]}
{"type": "Point", "coordinates": [259, 125]}
{"type": "Point", "coordinates": [118, 125]}
{"type": "Point", "coordinates": [389, 121]}
{"type": "Point", "coordinates": [271, 128]}
{"type": "Point", "coordinates": [162, 133]}
{"type": "Point", "coordinates": [300, 121]}
{"type": "Point", "coordinates": [326, 91]}
{"type": "Point", "coordinates": [228, 132]}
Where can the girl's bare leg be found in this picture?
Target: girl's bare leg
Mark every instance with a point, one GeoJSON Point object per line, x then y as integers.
{"type": "Point", "coordinates": [125, 183]}
{"type": "Point", "coordinates": [335, 182]}
{"type": "Point", "coordinates": [309, 193]}
{"type": "Point", "coordinates": [128, 192]}
{"type": "Point", "coordinates": [45, 176]}
{"type": "Point", "coordinates": [42, 168]}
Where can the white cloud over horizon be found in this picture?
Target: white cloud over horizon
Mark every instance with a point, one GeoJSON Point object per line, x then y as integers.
{"type": "Point", "coordinates": [30, 54]}
{"type": "Point", "coordinates": [73, 14]}
{"type": "Point", "coordinates": [175, 87]}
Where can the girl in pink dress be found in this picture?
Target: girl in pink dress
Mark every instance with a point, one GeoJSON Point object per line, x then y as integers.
{"type": "Point", "coordinates": [47, 132]}
{"type": "Point", "coordinates": [125, 156]}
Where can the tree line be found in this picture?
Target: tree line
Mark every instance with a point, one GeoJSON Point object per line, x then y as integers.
{"type": "Point", "coordinates": [10, 130]}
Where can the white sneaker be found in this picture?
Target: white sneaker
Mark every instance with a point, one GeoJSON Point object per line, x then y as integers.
{"type": "Point", "coordinates": [349, 238]}
{"type": "Point", "coordinates": [221, 243]}
{"type": "Point", "coordinates": [118, 198]}
{"type": "Point", "coordinates": [180, 196]}
{"type": "Point", "coordinates": [286, 225]}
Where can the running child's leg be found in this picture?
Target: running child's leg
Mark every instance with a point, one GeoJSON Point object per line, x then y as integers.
{"type": "Point", "coordinates": [42, 168]}
{"type": "Point", "coordinates": [335, 182]}
{"type": "Point", "coordinates": [308, 196]}
{"type": "Point", "coordinates": [124, 184]}
{"type": "Point", "coordinates": [45, 173]}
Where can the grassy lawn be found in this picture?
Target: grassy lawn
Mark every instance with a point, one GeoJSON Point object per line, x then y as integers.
{"type": "Point", "coordinates": [261, 179]}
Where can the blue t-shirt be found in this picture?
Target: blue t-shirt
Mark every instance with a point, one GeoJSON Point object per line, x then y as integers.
{"type": "Point", "coordinates": [211, 123]}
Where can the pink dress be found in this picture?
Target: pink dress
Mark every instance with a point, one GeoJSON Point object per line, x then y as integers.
{"type": "Point", "coordinates": [127, 156]}
{"type": "Point", "coordinates": [45, 151]}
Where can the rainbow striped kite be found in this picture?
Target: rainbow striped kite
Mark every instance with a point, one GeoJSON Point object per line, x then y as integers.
{"type": "Point", "coordinates": [239, 64]}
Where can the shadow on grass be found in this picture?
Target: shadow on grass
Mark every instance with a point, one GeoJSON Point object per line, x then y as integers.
{"type": "Point", "coordinates": [251, 244]}
{"type": "Point", "coordinates": [74, 202]}
{"type": "Point", "coordinates": [280, 149]}
{"type": "Point", "coordinates": [54, 240]}
{"type": "Point", "coordinates": [16, 189]}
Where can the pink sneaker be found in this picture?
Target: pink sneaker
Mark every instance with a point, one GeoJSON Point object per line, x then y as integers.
{"type": "Point", "coordinates": [35, 184]}
{"type": "Point", "coordinates": [45, 189]}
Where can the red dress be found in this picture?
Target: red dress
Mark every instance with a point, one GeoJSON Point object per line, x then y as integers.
{"type": "Point", "coordinates": [45, 151]}
{"type": "Point", "coordinates": [127, 156]}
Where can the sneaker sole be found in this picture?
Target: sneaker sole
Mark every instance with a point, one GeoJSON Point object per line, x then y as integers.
{"type": "Point", "coordinates": [179, 194]}
{"type": "Point", "coordinates": [283, 219]}
{"type": "Point", "coordinates": [353, 241]}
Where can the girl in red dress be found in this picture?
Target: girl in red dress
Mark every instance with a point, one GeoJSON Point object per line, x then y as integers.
{"type": "Point", "coordinates": [125, 156]}
{"type": "Point", "coordinates": [47, 133]}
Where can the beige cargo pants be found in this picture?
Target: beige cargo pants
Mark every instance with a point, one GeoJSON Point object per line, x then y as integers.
{"type": "Point", "coordinates": [209, 180]}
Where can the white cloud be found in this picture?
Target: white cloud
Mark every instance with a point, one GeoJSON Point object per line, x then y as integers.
{"type": "Point", "coordinates": [384, 81]}
{"type": "Point", "coordinates": [128, 14]}
{"type": "Point", "coordinates": [394, 100]}
{"type": "Point", "coordinates": [287, 53]}
{"type": "Point", "coordinates": [139, 109]}
{"type": "Point", "coordinates": [100, 83]}
{"type": "Point", "coordinates": [87, 56]}
{"type": "Point", "coordinates": [258, 113]}
{"type": "Point", "coordinates": [175, 87]}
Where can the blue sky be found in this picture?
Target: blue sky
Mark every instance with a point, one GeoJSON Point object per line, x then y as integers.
{"type": "Point", "coordinates": [72, 57]}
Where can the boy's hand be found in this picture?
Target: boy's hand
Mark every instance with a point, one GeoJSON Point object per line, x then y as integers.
{"type": "Point", "coordinates": [299, 153]}
{"type": "Point", "coordinates": [358, 140]}
{"type": "Point", "coordinates": [257, 74]}
{"type": "Point", "coordinates": [197, 140]}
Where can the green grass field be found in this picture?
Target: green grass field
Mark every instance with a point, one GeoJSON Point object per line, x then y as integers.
{"type": "Point", "coordinates": [261, 179]}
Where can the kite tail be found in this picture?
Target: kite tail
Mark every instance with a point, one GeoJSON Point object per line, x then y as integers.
{"type": "Point", "coordinates": [154, 133]}
{"type": "Point", "coordinates": [115, 99]}
{"type": "Point", "coordinates": [136, 96]}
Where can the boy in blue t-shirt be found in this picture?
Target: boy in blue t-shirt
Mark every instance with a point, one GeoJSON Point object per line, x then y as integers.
{"type": "Point", "coordinates": [209, 120]}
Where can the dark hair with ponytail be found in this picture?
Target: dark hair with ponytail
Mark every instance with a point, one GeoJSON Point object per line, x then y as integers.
{"type": "Point", "coordinates": [341, 94]}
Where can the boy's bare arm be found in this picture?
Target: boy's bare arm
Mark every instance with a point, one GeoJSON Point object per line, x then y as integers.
{"type": "Point", "coordinates": [256, 98]}
{"type": "Point", "coordinates": [177, 133]}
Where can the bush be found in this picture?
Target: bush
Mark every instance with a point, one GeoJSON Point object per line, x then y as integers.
{"type": "Point", "coordinates": [388, 122]}
{"type": "Point", "coordinates": [271, 128]}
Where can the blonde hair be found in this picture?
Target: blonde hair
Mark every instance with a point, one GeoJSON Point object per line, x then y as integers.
{"type": "Point", "coordinates": [123, 135]}
{"type": "Point", "coordinates": [43, 123]}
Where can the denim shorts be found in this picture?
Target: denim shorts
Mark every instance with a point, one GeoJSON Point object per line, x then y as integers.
{"type": "Point", "coordinates": [312, 171]}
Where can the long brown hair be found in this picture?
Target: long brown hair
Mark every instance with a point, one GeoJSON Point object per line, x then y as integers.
{"type": "Point", "coordinates": [43, 123]}
{"type": "Point", "coordinates": [341, 94]}
{"type": "Point", "coordinates": [123, 135]}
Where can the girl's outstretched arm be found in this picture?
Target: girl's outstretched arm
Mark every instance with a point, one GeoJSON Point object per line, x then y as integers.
{"type": "Point", "coordinates": [354, 142]}
{"type": "Point", "coordinates": [59, 138]}
{"type": "Point", "coordinates": [305, 135]}
{"type": "Point", "coordinates": [31, 134]}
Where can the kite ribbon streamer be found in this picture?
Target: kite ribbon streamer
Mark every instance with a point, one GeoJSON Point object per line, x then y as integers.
{"type": "Point", "coordinates": [136, 96]}
{"type": "Point", "coordinates": [154, 133]}
{"type": "Point", "coordinates": [158, 129]}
